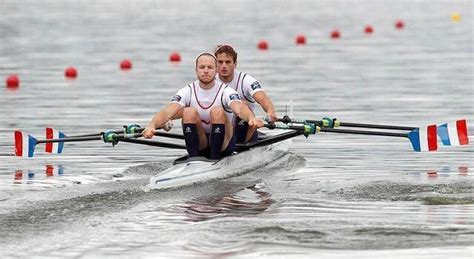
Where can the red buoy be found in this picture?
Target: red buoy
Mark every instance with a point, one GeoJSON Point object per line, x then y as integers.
{"type": "Point", "coordinates": [12, 81]}
{"type": "Point", "coordinates": [399, 24]}
{"type": "Point", "coordinates": [300, 39]}
{"type": "Point", "coordinates": [368, 29]}
{"type": "Point", "coordinates": [335, 34]}
{"type": "Point", "coordinates": [175, 57]}
{"type": "Point", "coordinates": [126, 64]}
{"type": "Point", "coordinates": [262, 45]}
{"type": "Point", "coordinates": [70, 72]}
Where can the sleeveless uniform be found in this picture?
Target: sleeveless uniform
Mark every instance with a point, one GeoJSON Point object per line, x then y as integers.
{"type": "Point", "coordinates": [246, 86]}
{"type": "Point", "coordinates": [203, 100]}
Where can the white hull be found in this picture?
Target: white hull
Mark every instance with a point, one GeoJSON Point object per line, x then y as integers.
{"type": "Point", "coordinates": [194, 172]}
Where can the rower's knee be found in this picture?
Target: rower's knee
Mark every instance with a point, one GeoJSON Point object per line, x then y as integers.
{"type": "Point", "coordinates": [190, 115]}
{"type": "Point", "coordinates": [218, 115]}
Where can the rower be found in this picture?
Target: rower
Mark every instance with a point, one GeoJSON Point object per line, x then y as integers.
{"type": "Point", "coordinates": [207, 109]}
{"type": "Point", "coordinates": [249, 90]}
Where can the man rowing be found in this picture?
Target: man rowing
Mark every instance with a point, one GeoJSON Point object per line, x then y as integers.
{"type": "Point", "coordinates": [207, 109]}
{"type": "Point", "coordinates": [249, 91]}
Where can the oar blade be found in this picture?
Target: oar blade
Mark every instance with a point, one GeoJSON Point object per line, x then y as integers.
{"type": "Point", "coordinates": [54, 147]}
{"type": "Point", "coordinates": [454, 134]}
{"type": "Point", "coordinates": [424, 139]}
{"type": "Point", "coordinates": [24, 144]}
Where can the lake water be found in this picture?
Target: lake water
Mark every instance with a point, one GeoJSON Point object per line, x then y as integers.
{"type": "Point", "coordinates": [331, 196]}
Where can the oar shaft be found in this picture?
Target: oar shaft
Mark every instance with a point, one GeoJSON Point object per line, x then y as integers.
{"type": "Point", "coordinates": [70, 139]}
{"type": "Point", "coordinates": [152, 143]}
{"type": "Point", "coordinates": [349, 124]}
{"type": "Point", "coordinates": [345, 131]}
{"type": "Point", "coordinates": [366, 132]}
{"type": "Point", "coordinates": [158, 133]}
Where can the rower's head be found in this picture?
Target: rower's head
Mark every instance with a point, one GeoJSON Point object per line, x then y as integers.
{"type": "Point", "coordinates": [206, 65]}
{"type": "Point", "coordinates": [226, 61]}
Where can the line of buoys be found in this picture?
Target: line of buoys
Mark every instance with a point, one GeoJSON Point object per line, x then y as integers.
{"type": "Point", "coordinates": [13, 81]}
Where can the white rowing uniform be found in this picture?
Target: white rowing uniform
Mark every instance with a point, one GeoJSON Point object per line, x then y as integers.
{"type": "Point", "coordinates": [246, 86]}
{"type": "Point", "coordinates": [203, 100]}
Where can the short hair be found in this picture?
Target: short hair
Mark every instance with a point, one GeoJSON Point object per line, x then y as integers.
{"type": "Point", "coordinates": [227, 49]}
{"type": "Point", "coordinates": [206, 54]}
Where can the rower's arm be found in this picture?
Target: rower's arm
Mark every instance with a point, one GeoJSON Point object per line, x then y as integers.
{"type": "Point", "coordinates": [171, 112]}
{"type": "Point", "coordinates": [262, 98]}
{"type": "Point", "coordinates": [243, 112]}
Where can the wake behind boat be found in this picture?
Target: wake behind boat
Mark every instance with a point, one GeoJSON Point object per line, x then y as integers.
{"type": "Point", "coordinates": [271, 145]}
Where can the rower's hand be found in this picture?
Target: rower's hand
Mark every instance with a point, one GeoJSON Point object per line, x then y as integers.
{"type": "Point", "coordinates": [148, 132]}
{"type": "Point", "coordinates": [271, 117]}
{"type": "Point", "coordinates": [254, 122]}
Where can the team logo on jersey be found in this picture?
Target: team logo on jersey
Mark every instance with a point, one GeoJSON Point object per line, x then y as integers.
{"type": "Point", "coordinates": [176, 98]}
{"type": "Point", "coordinates": [234, 97]}
{"type": "Point", "coordinates": [255, 85]}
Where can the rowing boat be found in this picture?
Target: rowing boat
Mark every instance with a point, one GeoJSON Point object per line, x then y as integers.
{"type": "Point", "coordinates": [270, 146]}
{"type": "Point", "coordinates": [272, 143]}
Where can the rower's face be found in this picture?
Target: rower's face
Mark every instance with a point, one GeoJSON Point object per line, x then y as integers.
{"type": "Point", "coordinates": [225, 65]}
{"type": "Point", "coordinates": [206, 69]}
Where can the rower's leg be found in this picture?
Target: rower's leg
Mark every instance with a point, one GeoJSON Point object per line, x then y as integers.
{"type": "Point", "coordinates": [194, 134]}
{"type": "Point", "coordinates": [221, 132]}
{"type": "Point", "coordinates": [252, 134]}
{"type": "Point", "coordinates": [244, 133]}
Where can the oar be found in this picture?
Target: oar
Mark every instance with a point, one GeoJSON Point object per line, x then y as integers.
{"type": "Point", "coordinates": [325, 123]}
{"type": "Point", "coordinates": [130, 129]}
{"type": "Point", "coordinates": [421, 140]}
{"type": "Point", "coordinates": [25, 144]}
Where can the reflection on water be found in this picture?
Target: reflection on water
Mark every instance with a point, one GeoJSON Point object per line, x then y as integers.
{"type": "Point", "coordinates": [21, 177]}
{"type": "Point", "coordinates": [248, 201]}
{"type": "Point", "coordinates": [30, 177]}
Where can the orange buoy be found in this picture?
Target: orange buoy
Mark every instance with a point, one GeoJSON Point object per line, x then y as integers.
{"type": "Point", "coordinates": [70, 72]}
{"type": "Point", "coordinates": [13, 81]}
{"type": "Point", "coordinates": [262, 45]}
{"type": "Point", "coordinates": [455, 17]}
{"type": "Point", "coordinates": [300, 39]}
{"type": "Point", "coordinates": [175, 57]}
{"type": "Point", "coordinates": [399, 24]}
{"type": "Point", "coordinates": [126, 64]}
{"type": "Point", "coordinates": [335, 34]}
